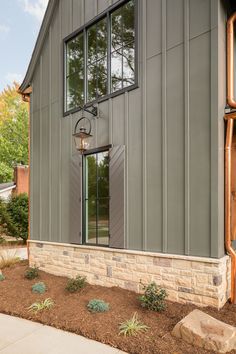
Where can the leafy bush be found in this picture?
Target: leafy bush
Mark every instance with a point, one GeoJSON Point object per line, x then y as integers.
{"type": "Point", "coordinates": [47, 304]}
{"type": "Point", "coordinates": [2, 277]}
{"type": "Point", "coordinates": [153, 297]}
{"type": "Point", "coordinates": [39, 288]}
{"type": "Point", "coordinates": [31, 273]}
{"type": "Point", "coordinates": [132, 326]}
{"type": "Point", "coordinates": [97, 305]}
{"type": "Point", "coordinates": [75, 284]}
{"type": "Point", "coordinates": [14, 216]}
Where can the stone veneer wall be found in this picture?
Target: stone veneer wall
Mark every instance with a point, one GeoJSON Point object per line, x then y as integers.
{"type": "Point", "coordinates": [202, 281]}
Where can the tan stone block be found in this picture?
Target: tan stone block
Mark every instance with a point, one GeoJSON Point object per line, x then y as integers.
{"type": "Point", "coordinates": [144, 260]}
{"type": "Point", "coordinates": [185, 282]}
{"type": "Point", "coordinates": [140, 268]}
{"type": "Point", "coordinates": [142, 277]}
{"type": "Point", "coordinates": [154, 270]}
{"type": "Point", "coordinates": [120, 274]}
{"type": "Point", "coordinates": [196, 299]}
{"type": "Point", "coordinates": [168, 277]}
{"type": "Point", "coordinates": [133, 286]}
{"type": "Point", "coordinates": [163, 262]}
{"type": "Point", "coordinates": [202, 278]}
{"type": "Point", "coordinates": [180, 264]}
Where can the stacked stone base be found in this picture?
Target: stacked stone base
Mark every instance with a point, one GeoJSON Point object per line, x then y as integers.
{"type": "Point", "coordinates": [197, 280]}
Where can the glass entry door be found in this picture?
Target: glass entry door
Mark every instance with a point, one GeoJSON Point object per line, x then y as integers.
{"type": "Point", "coordinates": [96, 198]}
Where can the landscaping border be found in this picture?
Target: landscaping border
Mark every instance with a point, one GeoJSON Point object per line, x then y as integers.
{"type": "Point", "coordinates": [198, 280]}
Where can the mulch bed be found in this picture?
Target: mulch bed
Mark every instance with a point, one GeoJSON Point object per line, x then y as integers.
{"type": "Point", "coordinates": [70, 313]}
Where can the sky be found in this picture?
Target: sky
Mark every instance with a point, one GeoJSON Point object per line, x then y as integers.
{"type": "Point", "coordinates": [20, 21]}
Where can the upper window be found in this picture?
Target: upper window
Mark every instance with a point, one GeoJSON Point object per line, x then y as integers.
{"type": "Point", "coordinates": [100, 59]}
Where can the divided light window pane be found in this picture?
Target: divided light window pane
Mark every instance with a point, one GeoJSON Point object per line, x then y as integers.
{"type": "Point", "coordinates": [75, 72]}
{"type": "Point", "coordinates": [97, 60]}
{"type": "Point", "coordinates": [122, 47]}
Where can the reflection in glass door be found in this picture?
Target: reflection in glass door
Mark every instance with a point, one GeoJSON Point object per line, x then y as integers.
{"type": "Point", "coordinates": [96, 198]}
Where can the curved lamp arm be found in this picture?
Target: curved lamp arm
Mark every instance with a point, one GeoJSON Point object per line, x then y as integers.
{"type": "Point", "coordinates": [83, 118]}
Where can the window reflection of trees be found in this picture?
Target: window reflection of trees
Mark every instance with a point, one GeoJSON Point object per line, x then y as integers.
{"type": "Point", "coordinates": [97, 198]}
{"type": "Point", "coordinates": [122, 58]}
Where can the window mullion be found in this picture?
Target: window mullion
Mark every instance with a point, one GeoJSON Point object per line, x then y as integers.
{"type": "Point", "coordinates": [97, 199]}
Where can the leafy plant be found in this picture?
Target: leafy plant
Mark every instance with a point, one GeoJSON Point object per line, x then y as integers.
{"type": "Point", "coordinates": [8, 258]}
{"type": "Point", "coordinates": [47, 304]}
{"type": "Point", "coordinates": [75, 284]}
{"type": "Point", "coordinates": [13, 132]}
{"type": "Point", "coordinates": [132, 326]}
{"type": "Point", "coordinates": [153, 297]}
{"type": "Point", "coordinates": [31, 273]}
{"type": "Point", "coordinates": [17, 210]}
{"type": "Point", "coordinates": [2, 277]}
{"type": "Point", "coordinates": [39, 288]}
{"type": "Point", "coordinates": [97, 305]}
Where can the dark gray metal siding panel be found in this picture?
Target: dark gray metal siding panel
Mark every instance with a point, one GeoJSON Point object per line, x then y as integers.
{"type": "Point", "coordinates": [75, 234]}
{"type": "Point", "coordinates": [117, 197]}
{"type": "Point", "coordinates": [175, 151]}
{"type": "Point", "coordinates": [200, 144]}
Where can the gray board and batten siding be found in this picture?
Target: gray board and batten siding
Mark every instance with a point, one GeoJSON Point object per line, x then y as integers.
{"type": "Point", "coordinates": [171, 126]}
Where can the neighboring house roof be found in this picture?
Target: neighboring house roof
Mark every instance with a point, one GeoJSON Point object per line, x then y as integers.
{"type": "Point", "coordinates": [38, 46]}
{"type": "Point", "coordinates": [6, 186]}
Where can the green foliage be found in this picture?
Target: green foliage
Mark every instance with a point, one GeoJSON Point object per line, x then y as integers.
{"type": "Point", "coordinates": [14, 216]}
{"type": "Point", "coordinates": [75, 284]}
{"type": "Point", "coordinates": [132, 326]}
{"type": "Point", "coordinates": [47, 304]}
{"type": "Point", "coordinates": [13, 132]}
{"type": "Point", "coordinates": [97, 305]}
{"type": "Point", "coordinates": [2, 277]}
{"type": "Point", "coordinates": [39, 288]}
{"type": "Point", "coordinates": [31, 273]}
{"type": "Point", "coordinates": [153, 297]}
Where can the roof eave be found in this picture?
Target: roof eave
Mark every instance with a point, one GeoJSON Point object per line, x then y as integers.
{"type": "Point", "coordinates": [38, 45]}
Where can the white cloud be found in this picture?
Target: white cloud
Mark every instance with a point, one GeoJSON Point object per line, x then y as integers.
{"type": "Point", "coordinates": [11, 77]}
{"type": "Point", "coordinates": [36, 8]}
{"type": "Point", "coordinates": [4, 29]}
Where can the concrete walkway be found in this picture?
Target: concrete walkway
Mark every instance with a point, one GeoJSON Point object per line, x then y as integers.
{"type": "Point", "coordinates": [19, 336]}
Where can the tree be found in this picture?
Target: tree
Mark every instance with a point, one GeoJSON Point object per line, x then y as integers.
{"type": "Point", "coordinates": [13, 132]}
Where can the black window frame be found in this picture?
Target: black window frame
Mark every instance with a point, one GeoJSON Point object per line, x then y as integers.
{"type": "Point", "coordinates": [83, 29]}
{"type": "Point", "coordinates": [84, 226]}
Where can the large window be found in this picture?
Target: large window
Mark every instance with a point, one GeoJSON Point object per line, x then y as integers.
{"type": "Point", "coordinates": [100, 58]}
{"type": "Point", "coordinates": [96, 199]}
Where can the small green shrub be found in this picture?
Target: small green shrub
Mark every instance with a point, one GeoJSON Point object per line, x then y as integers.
{"type": "Point", "coordinates": [97, 305]}
{"type": "Point", "coordinates": [153, 297]}
{"type": "Point", "coordinates": [14, 216]}
{"type": "Point", "coordinates": [39, 288]}
{"type": "Point", "coordinates": [2, 277]}
{"type": "Point", "coordinates": [31, 273]}
{"type": "Point", "coordinates": [132, 326]}
{"type": "Point", "coordinates": [47, 304]}
{"type": "Point", "coordinates": [75, 284]}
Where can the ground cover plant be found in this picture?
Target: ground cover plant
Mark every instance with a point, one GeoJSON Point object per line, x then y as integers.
{"type": "Point", "coordinates": [97, 305]}
{"type": "Point", "coordinates": [39, 288]}
{"type": "Point", "coordinates": [70, 313]}
{"type": "Point", "coordinates": [153, 297]}
{"type": "Point", "coordinates": [76, 284]}
{"type": "Point", "coordinates": [47, 304]}
{"type": "Point", "coordinates": [31, 273]}
{"type": "Point", "coordinates": [2, 277]}
{"type": "Point", "coordinates": [8, 258]}
{"type": "Point", "coordinates": [132, 326]}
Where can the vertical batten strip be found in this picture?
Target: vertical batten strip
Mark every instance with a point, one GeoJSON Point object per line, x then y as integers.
{"type": "Point", "coordinates": [214, 140]}
{"type": "Point", "coordinates": [164, 131]}
{"type": "Point", "coordinates": [40, 146]}
{"type": "Point", "coordinates": [126, 184]}
{"type": "Point", "coordinates": [187, 127]}
{"type": "Point", "coordinates": [50, 134]}
{"type": "Point", "coordinates": [60, 152]}
{"type": "Point", "coordinates": [144, 120]}
{"type": "Point", "coordinates": [110, 110]}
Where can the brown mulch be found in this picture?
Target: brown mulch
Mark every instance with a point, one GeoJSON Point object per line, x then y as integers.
{"type": "Point", "coordinates": [70, 313]}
